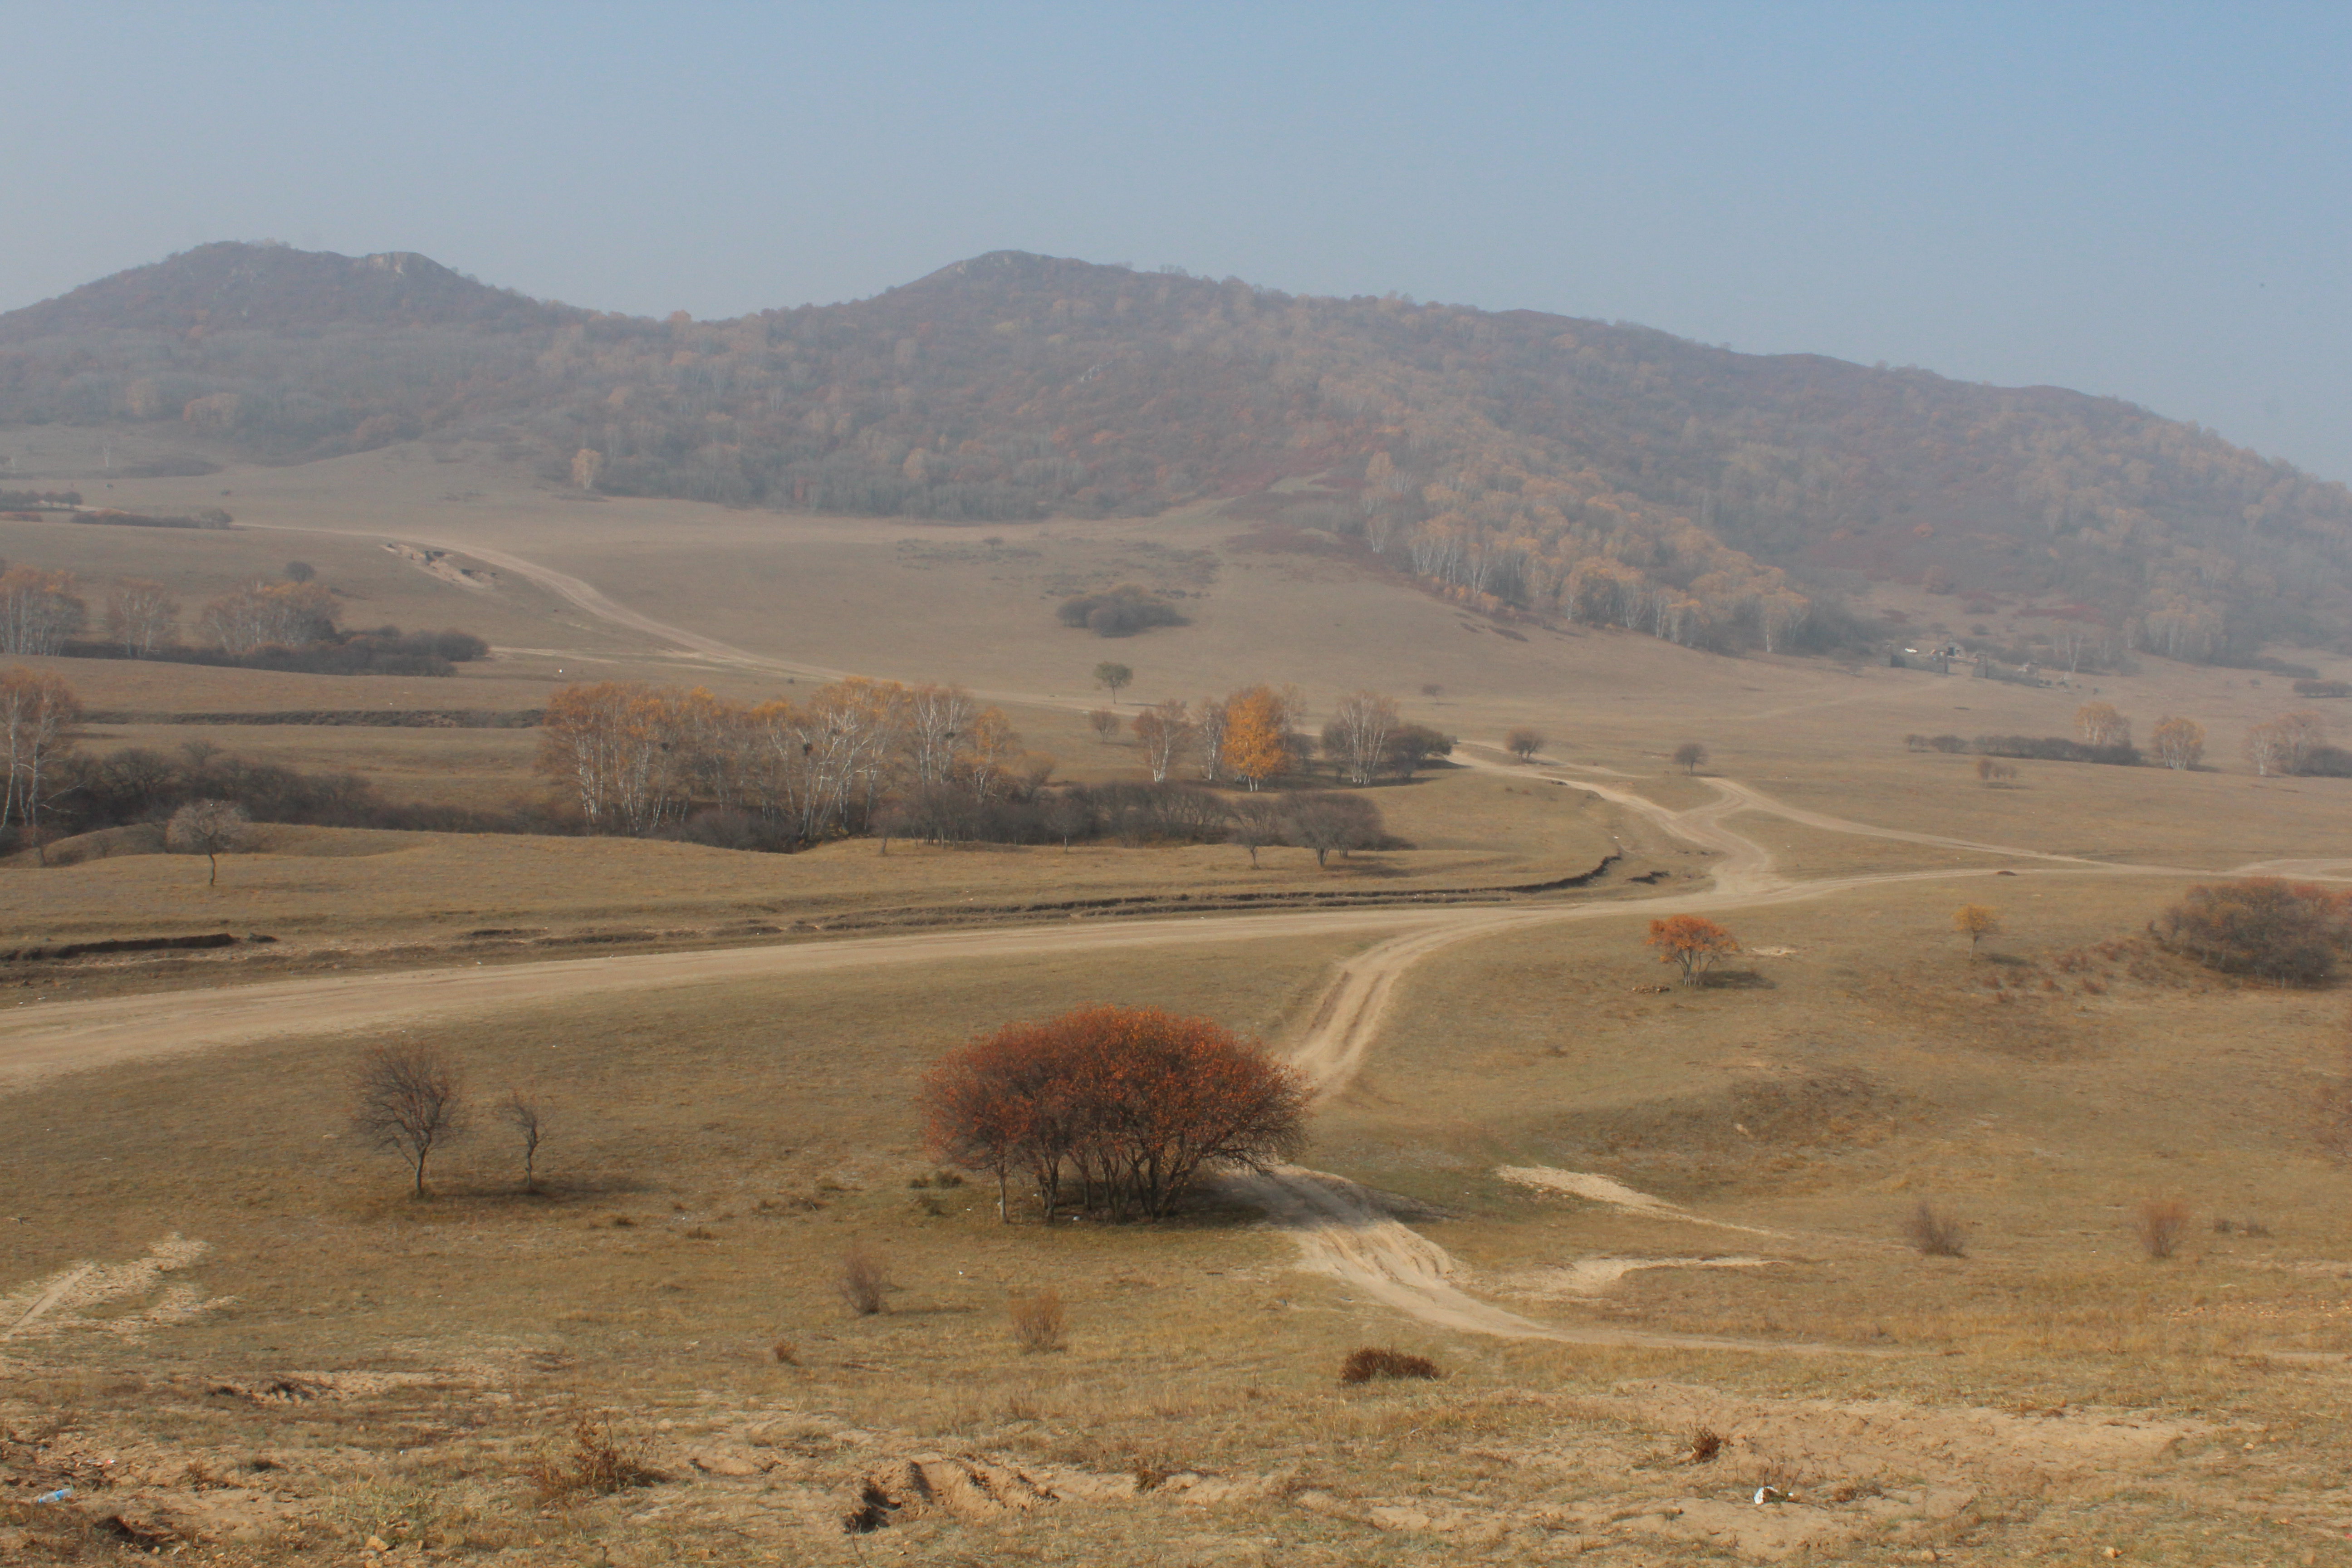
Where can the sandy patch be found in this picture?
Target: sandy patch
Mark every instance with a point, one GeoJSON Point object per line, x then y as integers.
{"type": "Point", "coordinates": [70, 1300]}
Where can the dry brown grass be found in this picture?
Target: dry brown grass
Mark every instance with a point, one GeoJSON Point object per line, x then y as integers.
{"type": "Point", "coordinates": [747, 1131]}
{"type": "Point", "coordinates": [1039, 1322]}
{"type": "Point", "coordinates": [599, 1462]}
{"type": "Point", "coordinates": [863, 1279]}
{"type": "Point", "coordinates": [1373, 1363]}
{"type": "Point", "coordinates": [1934, 1231]}
{"type": "Point", "coordinates": [2158, 1224]}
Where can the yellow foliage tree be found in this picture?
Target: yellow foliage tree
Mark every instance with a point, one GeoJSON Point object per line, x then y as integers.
{"type": "Point", "coordinates": [1257, 736]}
{"type": "Point", "coordinates": [1975, 922]}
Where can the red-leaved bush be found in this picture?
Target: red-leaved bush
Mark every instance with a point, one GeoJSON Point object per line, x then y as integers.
{"type": "Point", "coordinates": [1130, 1104]}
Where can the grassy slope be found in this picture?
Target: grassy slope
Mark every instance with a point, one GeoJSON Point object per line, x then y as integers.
{"type": "Point", "coordinates": [2042, 1118]}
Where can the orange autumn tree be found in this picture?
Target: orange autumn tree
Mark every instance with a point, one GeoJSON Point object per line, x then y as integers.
{"type": "Point", "coordinates": [1132, 1105]}
{"type": "Point", "coordinates": [1693, 942]}
{"type": "Point", "coordinates": [1257, 736]}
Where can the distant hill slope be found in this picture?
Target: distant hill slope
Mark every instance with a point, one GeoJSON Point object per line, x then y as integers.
{"type": "Point", "coordinates": [1603, 473]}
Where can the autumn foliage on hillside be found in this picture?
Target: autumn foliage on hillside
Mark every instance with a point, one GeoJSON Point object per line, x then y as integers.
{"type": "Point", "coordinates": [1598, 473]}
{"type": "Point", "coordinates": [1115, 1110]}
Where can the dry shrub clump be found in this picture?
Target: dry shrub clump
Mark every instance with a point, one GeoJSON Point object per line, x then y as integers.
{"type": "Point", "coordinates": [1706, 1444]}
{"type": "Point", "coordinates": [865, 1279]}
{"type": "Point", "coordinates": [1936, 1232]}
{"type": "Point", "coordinates": [2159, 1224]}
{"type": "Point", "coordinates": [1038, 1321]}
{"type": "Point", "coordinates": [1370, 1363]}
{"type": "Point", "coordinates": [598, 1464]}
{"type": "Point", "coordinates": [2289, 933]}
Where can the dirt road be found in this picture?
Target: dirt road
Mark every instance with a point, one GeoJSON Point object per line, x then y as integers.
{"type": "Point", "coordinates": [1340, 1229]}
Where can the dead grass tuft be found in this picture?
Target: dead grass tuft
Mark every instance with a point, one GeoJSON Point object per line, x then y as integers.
{"type": "Point", "coordinates": [598, 1464]}
{"type": "Point", "coordinates": [787, 1353]}
{"type": "Point", "coordinates": [1038, 1321]}
{"type": "Point", "coordinates": [863, 1280]}
{"type": "Point", "coordinates": [1706, 1444]}
{"type": "Point", "coordinates": [1370, 1363]}
{"type": "Point", "coordinates": [1936, 1232]}
{"type": "Point", "coordinates": [2159, 1224]}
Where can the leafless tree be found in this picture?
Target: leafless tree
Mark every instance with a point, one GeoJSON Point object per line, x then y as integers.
{"type": "Point", "coordinates": [1690, 756]}
{"type": "Point", "coordinates": [140, 614]}
{"type": "Point", "coordinates": [526, 1112]}
{"type": "Point", "coordinates": [409, 1100]}
{"type": "Point", "coordinates": [1209, 731]}
{"type": "Point", "coordinates": [1164, 731]}
{"type": "Point", "coordinates": [1325, 822]}
{"type": "Point", "coordinates": [1357, 738]}
{"type": "Point", "coordinates": [1257, 822]}
{"type": "Point", "coordinates": [208, 827]}
{"type": "Point", "coordinates": [1104, 724]}
{"type": "Point", "coordinates": [1524, 743]}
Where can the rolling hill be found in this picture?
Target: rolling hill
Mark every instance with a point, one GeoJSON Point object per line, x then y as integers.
{"type": "Point", "coordinates": [1520, 461]}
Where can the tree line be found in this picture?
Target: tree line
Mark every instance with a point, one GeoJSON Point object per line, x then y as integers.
{"type": "Point", "coordinates": [2291, 745]}
{"type": "Point", "coordinates": [53, 789]}
{"type": "Point", "coordinates": [932, 762]}
{"type": "Point", "coordinates": [289, 625]}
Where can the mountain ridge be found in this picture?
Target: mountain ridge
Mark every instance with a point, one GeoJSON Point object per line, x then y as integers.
{"type": "Point", "coordinates": [1599, 472]}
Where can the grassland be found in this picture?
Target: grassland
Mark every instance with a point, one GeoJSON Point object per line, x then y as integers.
{"type": "Point", "coordinates": [340, 1362]}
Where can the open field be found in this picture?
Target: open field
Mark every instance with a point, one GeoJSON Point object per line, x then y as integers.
{"type": "Point", "coordinates": [1619, 1216]}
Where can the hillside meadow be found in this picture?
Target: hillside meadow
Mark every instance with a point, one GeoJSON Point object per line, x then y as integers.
{"type": "Point", "coordinates": [226, 1328]}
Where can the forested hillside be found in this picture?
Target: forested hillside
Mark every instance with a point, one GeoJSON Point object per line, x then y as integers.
{"type": "Point", "coordinates": [1569, 467]}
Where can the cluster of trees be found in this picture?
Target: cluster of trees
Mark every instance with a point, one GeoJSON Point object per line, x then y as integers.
{"type": "Point", "coordinates": [2295, 744]}
{"type": "Point", "coordinates": [923, 761]}
{"type": "Point", "coordinates": [1605, 473]}
{"type": "Point", "coordinates": [2291, 744]}
{"type": "Point", "coordinates": [637, 758]}
{"type": "Point", "coordinates": [37, 713]}
{"type": "Point", "coordinates": [1117, 1111]}
{"type": "Point", "coordinates": [288, 625]}
{"type": "Point", "coordinates": [1120, 611]}
{"type": "Point", "coordinates": [1252, 737]}
{"type": "Point", "coordinates": [412, 1101]}
{"type": "Point", "coordinates": [2261, 927]}
{"type": "Point", "coordinates": [54, 790]}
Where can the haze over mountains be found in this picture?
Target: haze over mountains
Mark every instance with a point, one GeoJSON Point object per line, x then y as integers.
{"type": "Point", "coordinates": [1604, 473]}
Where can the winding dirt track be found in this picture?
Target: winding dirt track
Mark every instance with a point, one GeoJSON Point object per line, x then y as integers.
{"type": "Point", "coordinates": [1339, 1228]}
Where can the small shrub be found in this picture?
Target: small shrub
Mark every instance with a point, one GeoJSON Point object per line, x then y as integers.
{"type": "Point", "coordinates": [1369, 1364]}
{"type": "Point", "coordinates": [1937, 1232]}
{"type": "Point", "coordinates": [1038, 1321]}
{"type": "Point", "coordinates": [1706, 1443]}
{"type": "Point", "coordinates": [2159, 1224]}
{"type": "Point", "coordinates": [598, 1465]}
{"type": "Point", "coordinates": [863, 1280]}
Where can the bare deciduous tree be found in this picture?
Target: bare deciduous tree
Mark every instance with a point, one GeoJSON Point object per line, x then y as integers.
{"type": "Point", "coordinates": [1111, 675]}
{"type": "Point", "coordinates": [526, 1112]}
{"type": "Point", "coordinates": [1690, 756]}
{"type": "Point", "coordinates": [1104, 724]}
{"type": "Point", "coordinates": [409, 1100]}
{"type": "Point", "coordinates": [1357, 738]}
{"type": "Point", "coordinates": [1163, 731]}
{"type": "Point", "coordinates": [140, 614]}
{"type": "Point", "coordinates": [208, 827]}
{"type": "Point", "coordinates": [1524, 743]}
{"type": "Point", "coordinates": [2179, 744]}
{"type": "Point", "coordinates": [1257, 822]}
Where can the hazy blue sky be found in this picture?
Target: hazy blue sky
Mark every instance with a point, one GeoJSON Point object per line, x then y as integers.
{"type": "Point", "coordinates": [2145, 200]}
